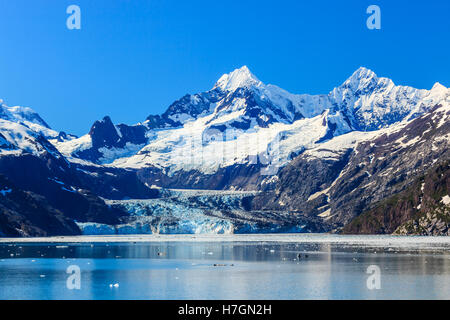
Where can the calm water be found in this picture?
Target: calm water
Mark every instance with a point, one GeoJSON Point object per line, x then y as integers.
{"type": "Point", "coordinates": [243, 270]}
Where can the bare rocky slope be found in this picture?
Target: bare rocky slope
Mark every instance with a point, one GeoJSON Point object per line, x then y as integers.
{"type": "Point", "coordinates": [421, 209]}
{"type": "Point", "coordinates": [351, 181]}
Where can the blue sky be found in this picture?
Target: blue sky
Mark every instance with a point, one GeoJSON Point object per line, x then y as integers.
{"type": "Point", "coordinates": [133, 58]}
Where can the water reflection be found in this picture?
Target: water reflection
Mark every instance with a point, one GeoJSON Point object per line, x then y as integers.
{"type": "Point", "coordinates": [195, 270]}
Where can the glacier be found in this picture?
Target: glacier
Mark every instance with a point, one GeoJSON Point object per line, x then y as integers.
{"type": "Point", "coordinates": [192, 212]}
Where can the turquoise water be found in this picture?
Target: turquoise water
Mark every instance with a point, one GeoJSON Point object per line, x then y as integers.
{"type": "Point", "coordinates": [220, 270]}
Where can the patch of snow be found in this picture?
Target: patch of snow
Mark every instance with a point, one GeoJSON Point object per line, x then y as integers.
{"type": "Point", "coordinates": [112, 154]}
{"type": "Point", "coordinates": [17, 139]}
{"type": "Point", "coordinates": [325, 214]}
{"type": "Point", "coordinates": [318, 194]}
{"type": "Point", "coordinates": [74, 146]}
{"type": "Point", "coordinates": [446, 200]}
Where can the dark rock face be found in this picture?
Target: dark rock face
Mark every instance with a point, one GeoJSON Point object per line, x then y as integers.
{"type": "Point", "coordinates": [189, 105]}
{"type": "Point", "coordinates": [62, 136]}
{"type": "Point", "coordinates": [59, 185]}
{"type": "Point", "coordinates": [299, 180]}
{"type": "Point", "coordinates": [114, 183]}
{"type": "Point", "coordinates": [26, 214]}
{"type": "Point", "coordinates": [105, 134]}
{"type": "Point", "coordinates": [418, 210]}
{"type": "Point", "coordinates": [239, 177]}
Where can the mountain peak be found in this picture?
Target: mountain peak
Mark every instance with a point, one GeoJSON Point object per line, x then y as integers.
{"type": "Point", "coordinates": [363, 73]}
{"type": "Point", "coordinates": [21, 114]}
{"type": "Point", "coordinates": [439, 87]}
{"type": "Point", "coordinates": [239, 78]}
{"type": "Point", "coordinates": [104, 133]}
{"type": "Point", "coordinates": [361, 79]}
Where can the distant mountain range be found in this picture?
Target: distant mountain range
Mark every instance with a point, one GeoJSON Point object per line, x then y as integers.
{"type": "Point", "coordinates": [311, 163]}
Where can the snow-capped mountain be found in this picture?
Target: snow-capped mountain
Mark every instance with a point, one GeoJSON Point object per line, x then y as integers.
{"type": "Point", "coordinates": [21, 114]}
{"type": "Point", "coordinates": [105, 141]}
{"type": "Point", "coordinates": [358, 172]}
{"type": "Point", "coordinates": [311, 162]}
{"type": "Point", "coordinates": [29, 118]}
{"type": "Point", "coordinates": [372, 103]}
{"type": "Point", "coordinates": [41, 193]}
{"type": "Point", "coordinates": [242, 121]}
{"type": "Point", "coordinates": [18, 139]}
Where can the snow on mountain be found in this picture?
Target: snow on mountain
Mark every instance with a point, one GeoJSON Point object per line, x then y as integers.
{"type": "Point", "coordinates": [372, 103]}
{"type": "Point", "coordinates": [18, 139]}
{"type": "Point", "coordinates": [339, 153]}
{"type": "Point", "coordinates": [21, 114]}
{"type": "Point", "coordinates": [242, 120]}
{"type": "Point", "coordinates": [74, 146]}
{"type": "Point", "coordinates": [32, 120]}
{"type": "Point", "coordinates": [349, 174]}
{"type": "Point", "coordinates": [105, 142]}
{"type": "Point", "coordinates": [188, 148]}
{"type": "Point", "coordinates": [239, 78]}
